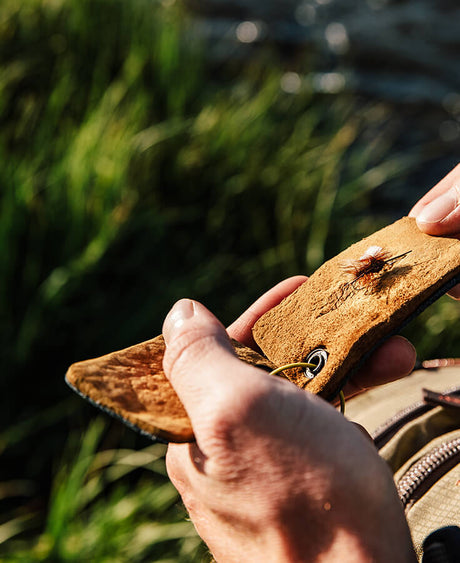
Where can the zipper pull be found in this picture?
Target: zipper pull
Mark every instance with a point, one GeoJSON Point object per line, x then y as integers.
{"type": "Point", "coordinates": [441, 399]}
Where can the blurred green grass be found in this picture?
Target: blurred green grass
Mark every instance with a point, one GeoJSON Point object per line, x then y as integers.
{"type": "Point", "coordinates": [135, 172]}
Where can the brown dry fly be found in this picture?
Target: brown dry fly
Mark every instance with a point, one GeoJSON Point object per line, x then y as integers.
{"type": "Point", "coordinates": [365, 271]}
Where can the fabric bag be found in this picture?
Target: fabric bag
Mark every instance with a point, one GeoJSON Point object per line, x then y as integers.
{"type": "Point", "coordinates": [415, 424]}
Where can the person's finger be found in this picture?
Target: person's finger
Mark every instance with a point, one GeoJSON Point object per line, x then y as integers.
{"type": "Point", "coordinates": [241, 329]}
{"type": "Point", "coordinates": [202, 366]}
{"type": "Point", "coordinates": [438, 212]}
{"type": "Point", "coordinates": [394, 359]}
{"type": "Point", "coordinates": [177, 460]}
{"type": "Point", "coordinates": [440, 188]}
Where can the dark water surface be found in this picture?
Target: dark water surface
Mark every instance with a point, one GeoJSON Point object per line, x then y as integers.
{"type": "Point", "coordinates": [404, 52]}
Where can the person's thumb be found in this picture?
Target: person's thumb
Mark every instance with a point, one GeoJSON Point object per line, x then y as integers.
{"type": "Point", "coordinates": [438, 212]}
{"type": "Point", "coordinates": [442, 215]}
{"type": "Point", "coordinates": [200, 362]}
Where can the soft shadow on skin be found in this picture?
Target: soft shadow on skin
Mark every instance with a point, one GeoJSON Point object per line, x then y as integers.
{"type": "Point", "coordinates": [198, 457]}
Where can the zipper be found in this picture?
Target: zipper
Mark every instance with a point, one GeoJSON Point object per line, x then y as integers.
{"type": "Point", "coordinates": [388, 429]}
{"type": "Point", "coordinates": [427, 470]}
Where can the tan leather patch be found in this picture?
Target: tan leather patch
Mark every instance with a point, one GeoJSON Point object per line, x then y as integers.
{"type": "Point", "coordinates": [131, 384]}
{"type": "Point", "coordinates": [348, 322]}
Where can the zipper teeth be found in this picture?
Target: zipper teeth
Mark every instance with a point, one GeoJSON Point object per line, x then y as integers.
{"type": "Point", "coordinates": [399, 418]}
{"type": "Point", "coordinates": [425, 467]}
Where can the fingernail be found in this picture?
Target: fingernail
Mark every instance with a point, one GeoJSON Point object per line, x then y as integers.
{"type": "Point", "coordinates": [439, 208]}
{"type": "Point", "coordinates": [181, 311]}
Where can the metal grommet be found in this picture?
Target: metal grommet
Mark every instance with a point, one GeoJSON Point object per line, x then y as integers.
{"type": "Point", "coordinates": [318, 357]}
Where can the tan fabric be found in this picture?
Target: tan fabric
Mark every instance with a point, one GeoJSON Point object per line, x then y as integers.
{"type": "Point", "coordinates": [411, 439]}
{"type": "Point", "coordinates": [439, 506]}
{"type": "Point", "coordinates": [375, 406]}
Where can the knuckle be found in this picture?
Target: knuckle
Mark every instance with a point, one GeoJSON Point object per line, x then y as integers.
{"type": "Point", "coordinates": [187, 349]}
{"type": "Point", "coordinates": [239, 405]}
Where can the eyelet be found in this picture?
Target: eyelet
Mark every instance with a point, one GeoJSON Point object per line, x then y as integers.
{"type": "Point", "coordinates": [318, 357]}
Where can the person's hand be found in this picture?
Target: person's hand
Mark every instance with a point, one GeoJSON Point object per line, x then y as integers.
{"type": "Point", "coordinates": [438, 211]}
{"type": "Point", "coordinates": [276, 473]}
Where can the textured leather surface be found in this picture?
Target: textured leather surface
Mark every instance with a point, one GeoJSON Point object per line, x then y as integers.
{"type": "Point", "coordinates": [349, 322]}
{"type": "Point", "coordinates": [130, 384]}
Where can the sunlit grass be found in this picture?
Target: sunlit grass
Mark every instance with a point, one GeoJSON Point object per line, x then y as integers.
{"type": "Point", "coordinates": [111, 505]}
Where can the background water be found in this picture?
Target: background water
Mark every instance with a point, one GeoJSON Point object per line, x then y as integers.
{"type": "Point", "coordinates": [406, 52]}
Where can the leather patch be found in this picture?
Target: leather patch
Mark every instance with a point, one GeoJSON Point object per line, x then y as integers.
{"type": "Point", "coordinates": [131, 385]}
{"type": "Point", "coordinates": [350, 323]}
